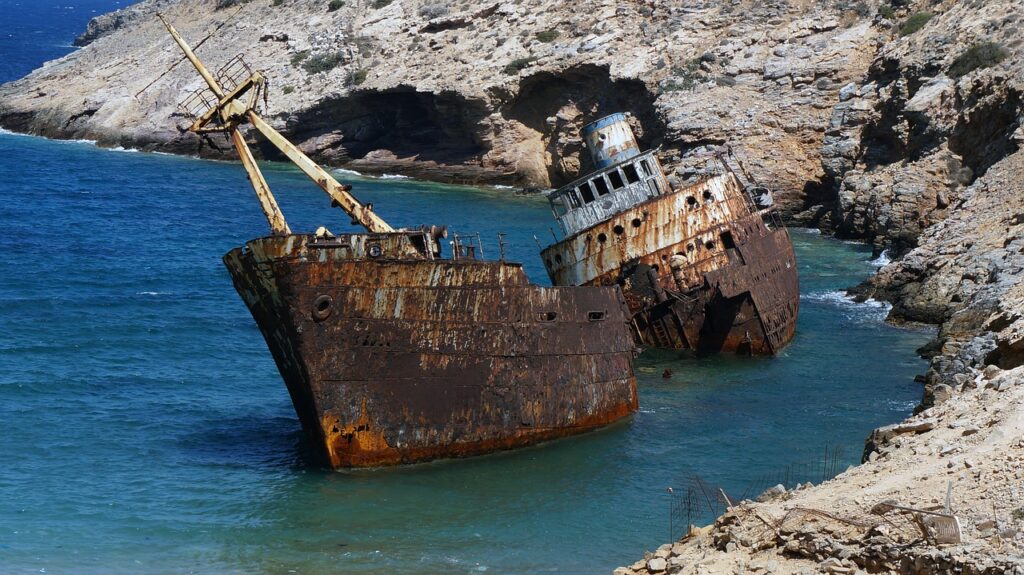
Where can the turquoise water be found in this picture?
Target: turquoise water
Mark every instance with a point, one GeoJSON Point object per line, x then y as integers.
{"type": "Point", "coordinates": [145, 428]}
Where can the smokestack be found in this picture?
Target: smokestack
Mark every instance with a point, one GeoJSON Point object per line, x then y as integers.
{"type": "Point", "coordinates": [610, 141]}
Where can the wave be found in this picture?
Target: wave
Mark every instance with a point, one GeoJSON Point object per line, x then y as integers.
{"type": "Point", "coordinates": [394, 177]}
{"type": "Point", "coordinates": [151, 293]}
{"type": "Point", "coordinates": [868, 309]}
{"type": "Point", "coordinates": [124, 149]}
{"type": "Point", "coordinates": [346, 172]}
{"type": "Point", "coordinates": [882, 260]}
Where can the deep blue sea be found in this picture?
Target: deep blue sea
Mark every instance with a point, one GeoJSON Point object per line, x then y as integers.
{"type": "Point", "coordinates": [145, 428]}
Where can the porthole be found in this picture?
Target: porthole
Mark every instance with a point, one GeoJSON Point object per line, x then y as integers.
{"type": "Point", "coordinates": [596, 316]}
{"type": "Point", "coordinates": [322, 307]}
{"type": "Point", "coordinates": [689, 248]}
{"type": "Point", "coordinates": [707, 196]}
{"type": "Point", "coordinates": [602, 237]}
{"type": "Point", "coordinates": [618, 229]}
{"type": "Point", "coordinates": [691, 201]}
{"type": "Point", "coordinates": [374, 251]}
{"type": "Point", "coordinates": [636, 222]}
{"type": "Point", "coordinates": [709, 245]}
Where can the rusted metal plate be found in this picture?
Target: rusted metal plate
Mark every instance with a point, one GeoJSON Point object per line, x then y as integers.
{"type": "Point", "coordinates": [395, 358]}
{"type": "Point", "coordinates": [700, 269]}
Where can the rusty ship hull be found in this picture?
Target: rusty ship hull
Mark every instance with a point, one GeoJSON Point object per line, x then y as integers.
{"type": "Point", "coordinates": [701, 266]}
{"type": "Point", "coordinates": [390, 357]}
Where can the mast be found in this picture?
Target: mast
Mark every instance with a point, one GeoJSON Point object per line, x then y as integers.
{"type": "Point", "coordinates": [229, 111]}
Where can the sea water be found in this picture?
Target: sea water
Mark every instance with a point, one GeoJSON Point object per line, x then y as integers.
{"type": "Point", "coordinates": [145, 428]}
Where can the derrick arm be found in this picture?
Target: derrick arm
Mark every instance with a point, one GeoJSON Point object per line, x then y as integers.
{"type": "Point", "coordinates": [228, 109]}
{"type": "Point", "coordinates": [231, 112]}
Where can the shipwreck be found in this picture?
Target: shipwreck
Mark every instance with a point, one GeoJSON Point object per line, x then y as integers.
{"type": "Point", "coordinates": [702, 267]}
{"type": "Point", "coordinates": [395, 352]}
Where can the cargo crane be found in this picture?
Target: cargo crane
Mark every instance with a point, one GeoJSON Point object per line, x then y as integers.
{"type": "Point", "coordinates": [231, 102]}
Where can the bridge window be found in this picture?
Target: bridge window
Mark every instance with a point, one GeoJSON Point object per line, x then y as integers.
{"type": "Point", "coordinates": [645, 167]}
{"type": "Point", "coordinates": [558, 205]}
{"type": "Point", "coordinates": [601, 185]}
{"type": "Point", "coordinates": [630, 171]}
{"type": "Point", "coordinates": [615, 179]}
{"type": "Point", "coordinates": [586, 192]}
{"type": "Point", "coordinates": [574, 200]}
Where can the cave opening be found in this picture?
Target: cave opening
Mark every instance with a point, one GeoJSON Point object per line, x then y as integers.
{"type": "Point", "coordinates": [442, 127]}
{"type": "Point", "coordinates": [589, 90]}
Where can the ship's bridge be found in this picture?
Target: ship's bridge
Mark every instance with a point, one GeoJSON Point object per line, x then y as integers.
{"type": "Point", "coordinates": [606, 192]}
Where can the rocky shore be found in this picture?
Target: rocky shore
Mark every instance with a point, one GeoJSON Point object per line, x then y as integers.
{"type": "Point", "coordinates": [898, 123]}
{"type": "Point", "coordinates": [925, 161]}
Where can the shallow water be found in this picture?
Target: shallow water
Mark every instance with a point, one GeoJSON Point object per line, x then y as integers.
{"type": "Point", "coordinates": [146, 429]}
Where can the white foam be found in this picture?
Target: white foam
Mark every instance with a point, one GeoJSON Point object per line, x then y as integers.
{"type": "Point", "coordinates": [346, 172]}
{"type": "Point", "coordinates": [868, 309]}
{"type": "Point", "coordinates": [150, 293]}
{"type": "Point", "coordinates": [393, 177]}
{"type": "Point", "coordinates": [882, 260]}
{"type": "Point", "coordinates": [126, 150]}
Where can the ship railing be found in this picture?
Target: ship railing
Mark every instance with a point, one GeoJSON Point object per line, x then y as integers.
{"type": "Point", "coordinates": [198, 103]}
{"type": "Point", "coordinates": [233, 73]}
{"type": "Point", "coordinates": [467, 247]}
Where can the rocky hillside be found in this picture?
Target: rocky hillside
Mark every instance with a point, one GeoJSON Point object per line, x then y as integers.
{"type": "Point", "coordinates": [489, 92]}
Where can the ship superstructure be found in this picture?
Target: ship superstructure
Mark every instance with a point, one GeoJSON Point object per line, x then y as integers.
{"type": "Point", "coordinates": [702, 266]}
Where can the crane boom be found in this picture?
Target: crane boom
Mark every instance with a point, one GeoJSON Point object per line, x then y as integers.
{"type": "Point", "coordinates": [231, 111]}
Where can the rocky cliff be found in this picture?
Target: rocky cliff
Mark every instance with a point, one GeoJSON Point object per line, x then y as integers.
{"type": "Point", "coordinates": [490, 92]}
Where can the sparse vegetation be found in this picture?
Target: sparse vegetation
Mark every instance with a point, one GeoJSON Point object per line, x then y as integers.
{"type": "Point", "coordinates": [377, 4]}
{"type": "Point", "coordinates": [518, 64]}
{"type": "Point", "coordinates": [335, 5]}
{"type": "Point", "coordinates": [1017, 514]}
{"type": "Point", "coordinates": [358, 76]}
{"type": "Point", "coordinates": [435, 10]}
{"type": "Point", "coordinates": [299, 56]}
{"type": "Point", "coordinates": [322, 62]}
{"type": "Point", "coordinates": [982, 55]}
{"type": "Point", "coordinates": [288, 89]}
{"type": "Point", "coordinates": [276, 2]}
{"type": "Point", "coordinates": [915, 22]}
{"type": "Point", "coordinates": [547, 35]}
{"type": "Point", "coordinates": [364, 45]}
{"type": "Point", "coordinates": [684, 78]}
{"type": "Point", "coordinates": [221, 4]}
{"type": "Point", "coordinates": [886, 11]}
